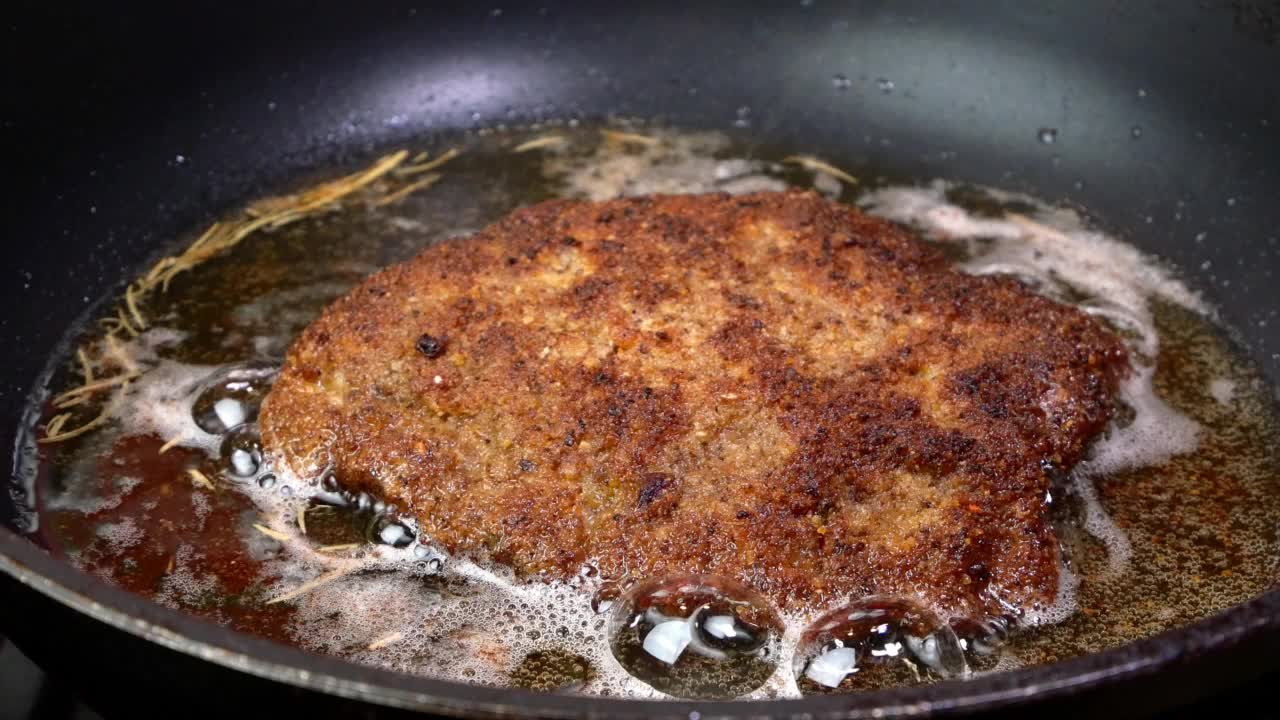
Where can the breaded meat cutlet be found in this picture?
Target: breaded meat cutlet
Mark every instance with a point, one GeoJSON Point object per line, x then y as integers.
{"type": "Point", "coordinates": [771, 387]}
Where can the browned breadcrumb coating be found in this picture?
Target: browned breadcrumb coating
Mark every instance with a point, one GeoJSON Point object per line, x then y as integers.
{"type": "Point", "coordinates": [771, 387]}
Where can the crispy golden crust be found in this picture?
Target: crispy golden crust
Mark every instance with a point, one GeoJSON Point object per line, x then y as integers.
{"type": "Point", "coordinates": [771, 387]}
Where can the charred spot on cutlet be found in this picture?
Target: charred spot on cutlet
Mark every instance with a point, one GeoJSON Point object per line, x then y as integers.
{"type": "Point", "coordinates": [430, 346]}
{"type": "Point", "coordinates": [653, 486]}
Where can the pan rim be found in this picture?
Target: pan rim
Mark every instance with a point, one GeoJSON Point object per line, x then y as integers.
{"type": "Point", "coordinates": [206, 640]}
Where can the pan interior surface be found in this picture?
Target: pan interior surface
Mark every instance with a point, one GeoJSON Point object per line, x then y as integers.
{"type": "Point", "coordinates": [152, 472]}
{"type": "Point", "coordinates": [1139, 153]}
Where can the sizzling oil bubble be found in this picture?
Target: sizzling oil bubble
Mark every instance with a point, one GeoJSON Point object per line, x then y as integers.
{"type": "Point", "coordinates": [873, 642]}
{"type": "Point", "coordinates": [429, 558]}
{"type": "Point", "coordinates": [390, 531]}
{"type": "Point", "coordinates": [232, 397]}
{"type": "Point", "coordinates": [696, 636]}
{"type": "Point", "coordinates": [241, 452]}
{"type": "Point", "coordinates": [982, 639]}
{"type": "Point", "coordinates": [604, 597]}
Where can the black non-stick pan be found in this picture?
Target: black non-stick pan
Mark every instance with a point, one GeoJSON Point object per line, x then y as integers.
{"type": "Point", "coordinates": [126, 125]}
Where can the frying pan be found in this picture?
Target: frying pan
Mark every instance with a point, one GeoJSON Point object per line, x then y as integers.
{"type": "Point", "coordinates": [125, 127]}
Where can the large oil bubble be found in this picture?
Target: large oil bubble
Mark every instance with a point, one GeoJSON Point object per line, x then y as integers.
{"type": "Point", "coordinates": [696, 636]}
{"type": "Point", "coordinates": [982, 639]}
{"type": "Point", "coordinates": [232, 397]}
{"type": "Point", "coordinates": [876, 642]}
{"type": "Point", "coordinates": [241, 452]}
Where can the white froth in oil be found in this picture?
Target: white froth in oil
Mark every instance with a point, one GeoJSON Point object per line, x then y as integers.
{"type": "Point", "coordinates": [670, 163]}
{"type": "Point", "coordinates": [89, 503]}
{"type": "Point", "coordinates": [183, 586]}
{"type": "Point", "coordinates": [158, 402]}
{"type": "Point", "coordinates": [460, 620]}
{"type": "Point", "coordinates": [1098, 522]}
{"type": "Point", "coordinates": [200, 509]}
{"type": "Point", "coordinates": [121, 535]}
